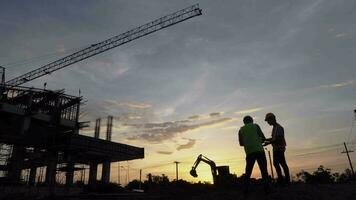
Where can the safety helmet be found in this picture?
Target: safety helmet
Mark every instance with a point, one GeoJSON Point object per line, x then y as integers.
{"type": "Point", "coordinates": [270, 116]}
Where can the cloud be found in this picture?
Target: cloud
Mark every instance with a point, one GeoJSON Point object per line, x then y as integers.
{"type": "Point", "coordinates": [123, 111]}
{"type": "Point", "coordinates": [127, 117]}
{"type": "Point", "coordinates": [165, 152]}
{"type": "Point", "coordinates": [101, 71]}
{"type": "Point", "coordinates": [341, 35]}
{"type": "Point", "coordinates": [194, 117]}
{"type": "Point", "coordinates": [61, 48]}
{"type": "Point", "coordinates": [114, 103]}
{"type": "Point", "coordinates": [340, 84]}
{"type": "Point", "coordinates": [231, 128]}
{"type": "Point", "coordinates": [343, 84]}
{"type": "Point", "coordinates": [215, 114]}
{"type": "Point", "coordinates": [338, 130]}
{"type": "Point", "coordinates": [158, 132]}
{"type": "Point", "coordinates": [252, 110]}
{"type": "Point", "coordinates": [202, 117]}
{"type": "Point", "coordinates": [189, 145]}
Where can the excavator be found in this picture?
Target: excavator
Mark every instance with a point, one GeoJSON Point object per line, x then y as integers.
{"type": "Point", "coordinates": [221, 174]}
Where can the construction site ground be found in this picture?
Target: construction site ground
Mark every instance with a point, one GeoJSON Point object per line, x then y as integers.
{"type": "Point", "coordinates": [296, 191]}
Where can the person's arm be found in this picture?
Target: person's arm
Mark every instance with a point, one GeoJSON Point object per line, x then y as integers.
{"type": "Point", "coordinates": [269, 140]}
{"type": "Point", "coordinates": [240, 139]}
{"type": "Point", "coordinates": [260, 133]}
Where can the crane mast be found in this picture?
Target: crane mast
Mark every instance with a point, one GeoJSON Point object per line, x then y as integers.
{"type": "Point", "coordinates": [108, 44]}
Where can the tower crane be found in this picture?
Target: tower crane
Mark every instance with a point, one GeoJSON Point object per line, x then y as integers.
{"type": "Point", "coordinates": [94, 49]}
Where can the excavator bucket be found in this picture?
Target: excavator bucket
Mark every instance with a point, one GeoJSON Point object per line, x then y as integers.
{"type": "Point", "coordinates": [193, 173]}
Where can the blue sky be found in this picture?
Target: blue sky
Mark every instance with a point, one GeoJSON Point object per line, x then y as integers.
{"type": "Point", "coordinates": [184, 90]}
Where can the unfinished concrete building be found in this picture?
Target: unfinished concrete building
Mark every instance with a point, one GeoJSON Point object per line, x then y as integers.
{"type": "Point", "coordinates": [40, 128]}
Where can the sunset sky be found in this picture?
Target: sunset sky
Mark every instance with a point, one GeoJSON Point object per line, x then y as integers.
{"type": "Point", "coordinates": [183, 91]}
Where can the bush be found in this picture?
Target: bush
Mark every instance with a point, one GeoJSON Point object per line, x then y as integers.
{"type": "Point", "coordinates": [324, 175]}
{"type": "Point", "coordinates": [345, 177]}
{"type": "Point", "coordinates": [101, 187]}
{"type": "Point", "coordinates": [135, 184]}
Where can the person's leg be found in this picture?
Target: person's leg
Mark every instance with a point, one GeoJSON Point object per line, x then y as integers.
{"type": "Point", "coordinates": [250, 162]}
{"type": "Point", "coordinates": [276, 161]}
{"type": "Point", "coordinates": [262, 163]}
{"type": "Point", "coordinates": [285, 167]}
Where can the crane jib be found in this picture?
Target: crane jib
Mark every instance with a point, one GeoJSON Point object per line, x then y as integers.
{"type": "Point", "coordinates": [108, 44]}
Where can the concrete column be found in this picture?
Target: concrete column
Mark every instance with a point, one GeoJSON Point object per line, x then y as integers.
{"type": "Point", "coordinates": [32, 177]}
{"type": "Point", "coordinates": [93, 171]}
{"type": "Point", "coordinates": [18, 151]}
{"type": "Point", "coordinates": [69, 174]}
{"type": "Point", "coordinates": [105, 177]}
{"type": "Point", "coordinates": [97, 128]}
{"type": "Point", "coordinates": [51, 169]}
{"type": "Point", "coordinates": [16, 162]}
{"type": "Point", "coordinates": [109, 128]}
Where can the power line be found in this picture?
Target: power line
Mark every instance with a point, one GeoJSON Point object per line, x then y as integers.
{"type": "Point", "coordinates": [316, 148]}
{"type": "Point", "coordinates": [315, 152]}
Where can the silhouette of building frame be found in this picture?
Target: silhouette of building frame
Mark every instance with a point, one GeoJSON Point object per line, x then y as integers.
{"type": "Point", "coordinates": [42, 128]}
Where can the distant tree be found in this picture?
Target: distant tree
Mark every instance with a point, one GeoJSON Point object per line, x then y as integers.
{"type": "Point", "coordinates": [321, 175]}
{"type": "Point", "coordinates": [344, 177]}
{"type": "Point", "coordinates": [154, 181]}
{"type": "Point", "coordinates": [161, 180]}
{"type": "Point", "coordinates": [102, 187]}
{"type": "Point", "coordinates": [303, 176]}
{"type": "Point", "coordinates": [135, 184]}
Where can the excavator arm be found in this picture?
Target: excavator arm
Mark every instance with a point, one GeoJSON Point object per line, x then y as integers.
{"type": "Point", "coordinates": [202, 158]}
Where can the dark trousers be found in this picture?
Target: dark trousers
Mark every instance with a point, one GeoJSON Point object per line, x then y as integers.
{"type": "Point", "coordinates": [278, 161]}
{"type": "Point", "coordinates": [262, 163]}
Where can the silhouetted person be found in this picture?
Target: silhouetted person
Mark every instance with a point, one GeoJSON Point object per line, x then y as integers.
{"type": "Point", "coordinates": [251, 138]}
{"type": "Point", "coordinates": [279, 147]}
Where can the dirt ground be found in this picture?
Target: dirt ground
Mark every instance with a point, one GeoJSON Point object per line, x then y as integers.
{"type": "Point", "coordinates": [291, 192]}
{"type": "Point", "coordinates": [296, 191]}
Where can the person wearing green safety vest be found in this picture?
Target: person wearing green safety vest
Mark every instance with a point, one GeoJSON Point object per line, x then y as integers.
{"type": "Point", "coordinates": [251, 138]}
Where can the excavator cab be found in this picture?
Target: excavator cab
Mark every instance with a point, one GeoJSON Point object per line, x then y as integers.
{"type": "Point", "coordinates": [223, 170]}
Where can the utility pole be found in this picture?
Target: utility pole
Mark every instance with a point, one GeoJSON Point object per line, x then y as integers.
{"type": "Point", "coordinates": [140, 178]}
{"type": "Point", "coordinates": [176, 162]}
{"type": "Point", "coordinates": [348, 156]}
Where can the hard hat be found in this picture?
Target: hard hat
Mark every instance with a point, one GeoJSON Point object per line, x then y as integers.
{"type": "Point", "coordinates": [270, 116]}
